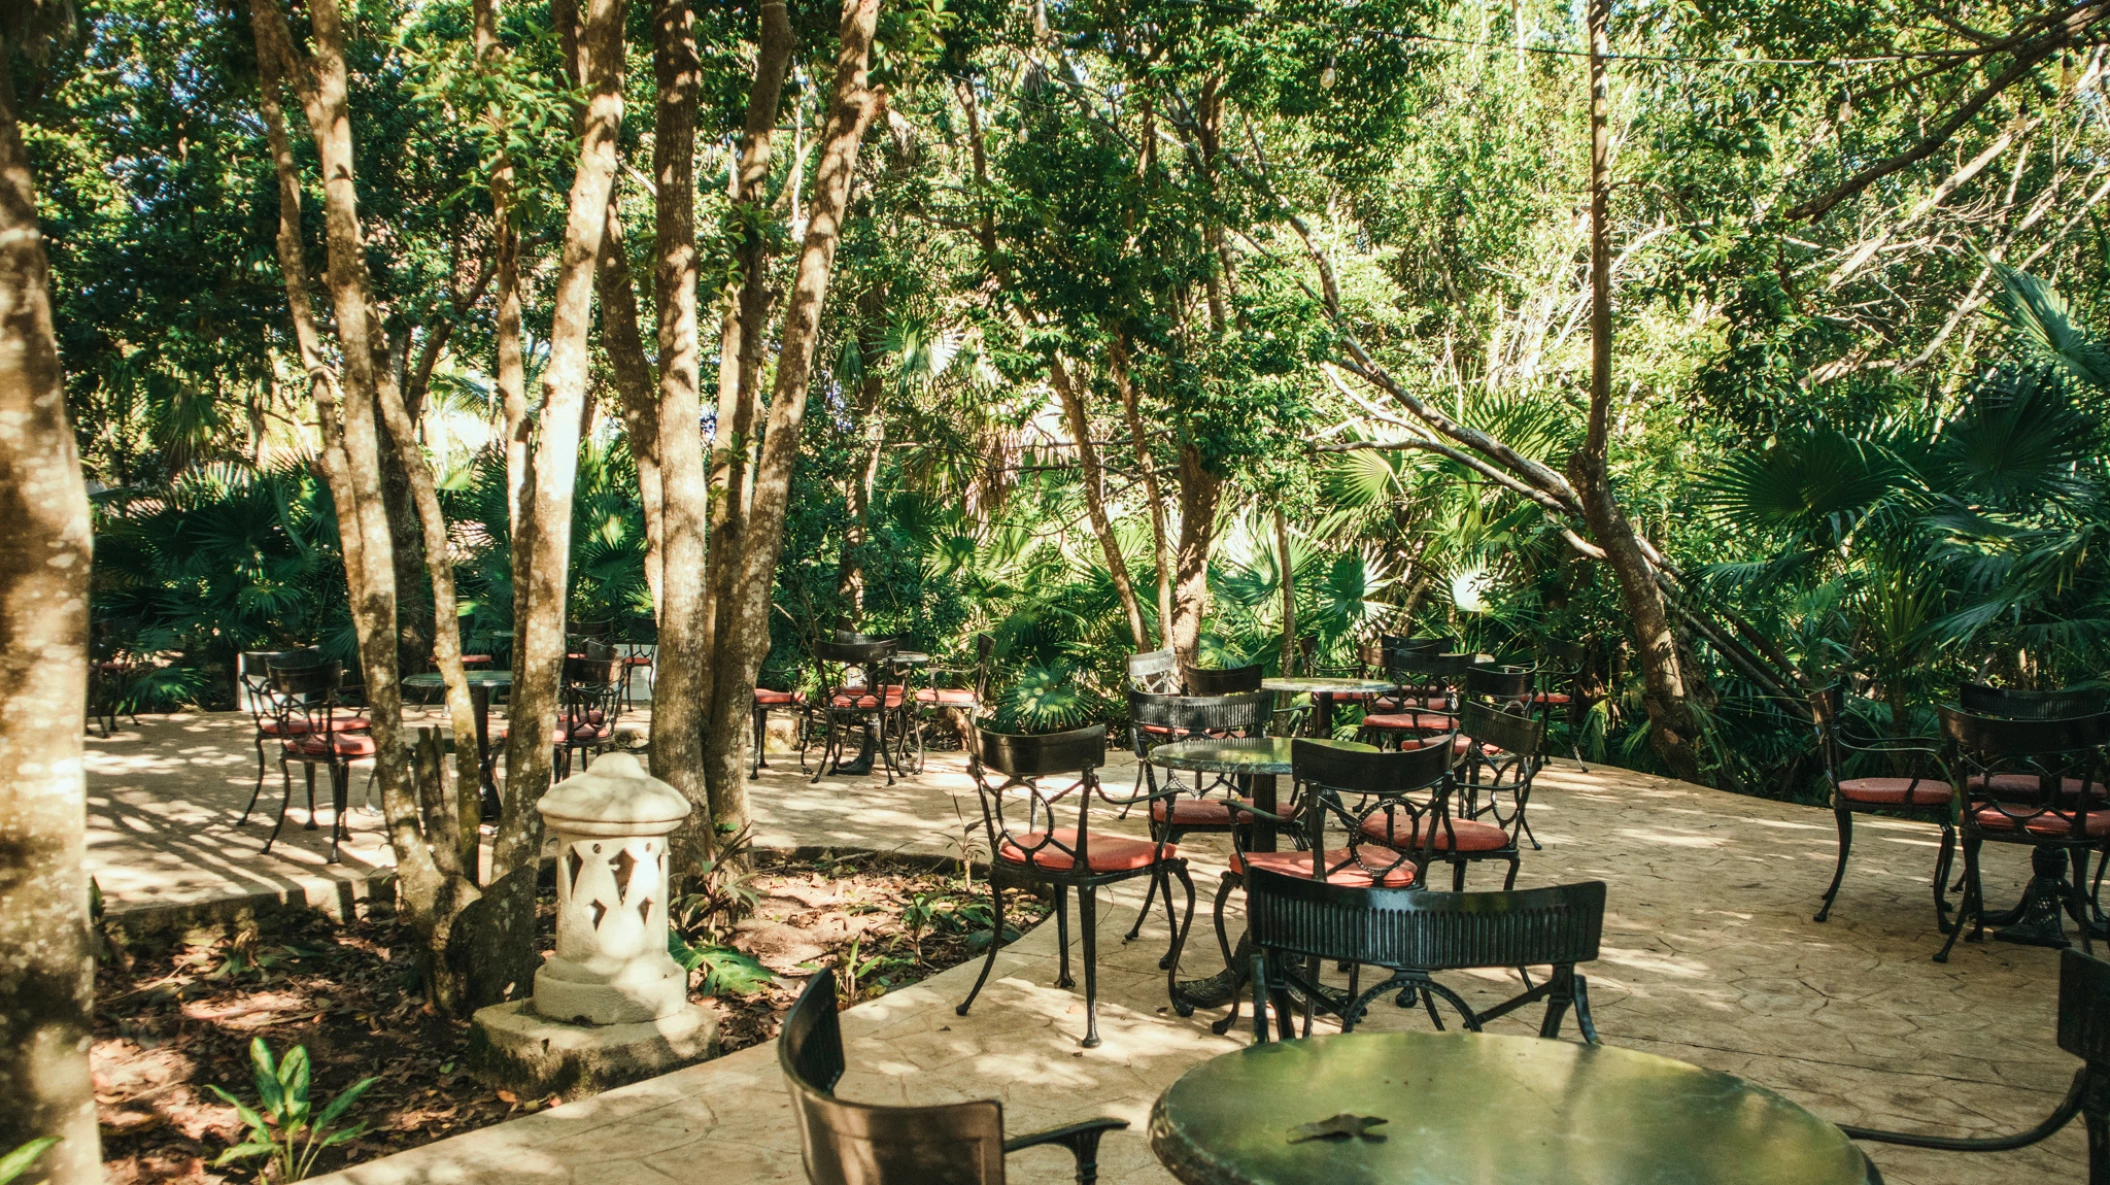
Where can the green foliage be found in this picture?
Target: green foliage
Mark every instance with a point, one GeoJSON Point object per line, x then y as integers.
{"type": "Point", "coordinates": [285, 1131]}
{"type": "Point", "coordinates": [19, 1160]}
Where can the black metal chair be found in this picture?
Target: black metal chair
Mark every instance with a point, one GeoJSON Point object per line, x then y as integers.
{"type": "Point", "coordinates": [1560, 671]}
{"type": "Point", "coordinates": [855, 696]}
{"type": "Point", "coordinates": [793, 701]}
{"type": "Point", "coordinates": [1415, 933]}
{"type": "Point", "coordinates": [845, 1143]}
{"type": "Point", "coordinates": [968, 699]}
{"type": "Point", "coordinates": [1428, 701]}
{"type": "Point", "coordinates": [1909, 784]}
{"type": "Point", "coordinates": [591, 705]}
{"type": "Point", "coordinates": [310, 732]}
{"type": "Point", "coordinates": [1156, 672]}
{"type": "Point", "coordinates": [1010, 771]}
{"type": "Point", "coordinates": [2017, 704]}
{"type": "Point", "coordinates": [1177, 810]}
{"type": "Point", "coordinates": [1326, 775]}
{"type": "Point", "coordinates": [2084, 1031]}
{"type": "Point", "coordinates": [258, 697]}
{"type": "Point", "coordinates": [1498, 753]}
{"type": "Point", "coordinates": [2039, 783]}
{"type": "Point", "coordinates": [114, 667]}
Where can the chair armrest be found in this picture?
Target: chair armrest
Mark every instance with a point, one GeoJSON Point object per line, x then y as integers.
{"type": "Point", "coordinates": [1082, 1139]}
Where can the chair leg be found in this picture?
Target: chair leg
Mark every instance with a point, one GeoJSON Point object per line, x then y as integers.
{"type": "Point", "coordinates": [1970, 910]}
{"type": "Point", "coordinates": [828, 745]}
{"type": "Point", "coordinates": [1143, 915]}
{"type": "Point", "coordinates": [1510, 882]}
{"type": "Point", "coordinates": [886, 755]}
{"type": "Point", "coordinates": [1943, 860]}
{"type": "Point", "coordinates": [1179, 939]}
{"type": "Point", "coordinates": [1556, 1005]}
{"type": "Point", "coordinates": [761, 723]}
{"type": "Point", "coordinates": [340, 800]}
{"type": "Point", "coordinates": [308, 767]}
{"type": "Point", "coordinates": [1536, 846]}
{"type": "Point", "coordinates": [284, 804]}
{"type": "Point", "coordinates": [996, 939]}
{"type": "Point", "coordinates": [1582, 1009]}
{"type": "Point", "coordinates": [1457, 876]}
{"type": "Point", "coordinates": [1258, 977]}
{"type": "Point", "coordinates": [1087, 920]}
{"type": "Point", "coordinates": [1062, 936]}
{"type": "Point", "coordinates": [1845, 819]}
{"type": "Point", "coordinates": [254, 794]}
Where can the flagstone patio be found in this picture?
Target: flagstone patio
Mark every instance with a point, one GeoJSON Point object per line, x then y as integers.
{"type": "Point", "coordinates": [1709, 956]}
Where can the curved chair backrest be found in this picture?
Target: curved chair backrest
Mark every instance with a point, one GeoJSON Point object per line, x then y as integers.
{"type": "Point", "coordinates": [853, 638]}
{"type": "Point", "coordinates": [1228, 681]}
{"type": "Point", "coordinates": [1514, 735]}
{"type": "Point", "coordinates": [1361, 770]}
{"type": "Point", "coordinates": [1439, 644]}
{"type": "Point", "coordinates": [2045, 776]}
{"type": "Point", "coordinates": [868, 657]}
{"type": "Point", "coordinates": [1327, 772]}
{"type": "Point", "coordinates": [256, 674]}
{"type": "Point", "coordinates": [2084, 1007]}
{"type": "Point", "coordinates": [1503, 685]}
{"type": "Point", "coordinates": [1247, 714]}
{"type": "Point", "coordinates": [864, 1144]}
{"type": "Point", "coordinates": [1019, 763]}
{"type": "Point", "coordinates": [2016, 704]}
{"type": "Point", "coordinates": [1156, 672]}
{"type": "Point", "coordinates": [306, 694]}
{"type": "Point", "coordinates": [1422, 928]}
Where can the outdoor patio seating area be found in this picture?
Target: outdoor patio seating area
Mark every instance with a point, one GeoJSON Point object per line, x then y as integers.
{"type": "Point", "coordinates": [1709, 956]}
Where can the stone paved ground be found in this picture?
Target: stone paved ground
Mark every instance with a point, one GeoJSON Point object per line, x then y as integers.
{"type": "Point", "coordinates": [1709, 956]}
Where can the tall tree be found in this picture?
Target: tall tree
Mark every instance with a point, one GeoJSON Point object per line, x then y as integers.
{"type": "Point", "coordinates": [741, 637]}
{"type": "Point", "coordinates": [47, 963]}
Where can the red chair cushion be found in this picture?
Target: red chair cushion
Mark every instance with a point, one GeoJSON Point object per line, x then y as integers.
{"type": "Point", "coordinates": [1110, 853]}
{"type": "Point", "coordinates": [772, 698]}
{"type": "Point", "coordinates": [1341, 867]}
{"type": "Point", "coordinates": [1197, 812]}
{"type": "Point", "coordinates": [295, 726]}
{"type": "Point", "coordinates": [1471, 835]}
{"type": "Point", "coordinates": [946, 697]}
{"type": "Point", "coordinates": [345, 745]}
{"type": "Point", "coordinates": [2047, 823]}
{"type": "Point", "coordinates": [2032, 786]}
{"type": "Point", "coordinates": [476, 660]}
{"type": "Point", "coordinates": [1550, 697]}
{"type": "Point", "coordinates": [638, 660]}
{"type": "Point", "coordinates": [585, 730]}
{"type": "Point", "coordinates": [1896, 791]}
{"type": "Point", "coordinates": [1411, 721]}
{"type": "Point", "coordinates": [1163, 730]}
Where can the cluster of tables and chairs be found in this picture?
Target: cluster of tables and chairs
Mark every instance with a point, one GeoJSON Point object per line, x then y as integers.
{"type": "Point", "coordinates": [875, 695]}
{"type": "Point", "coordinates": [2015, 767]}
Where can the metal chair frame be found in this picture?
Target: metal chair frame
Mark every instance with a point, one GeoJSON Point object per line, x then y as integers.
{"type": "Point", "coordinates": [1561, 665]}
{"type": "Point", "coordinates": [842, 699]}
{"type": "Point", "coordinates": [1187, 718]}
{"type": "Point", "coordinates": [2084, 1031]}
{"type": "Point", "coordinates": [845, 1143]}
{"type": "Point", "coordinates": [1915, 758]}
{"type": "Point", "coordinates": [1500, 761]}
{"type": "Point", "coordinates": [979, 674]}
{"type": "Point", "coordinates": [2014, 703]}
{"type": "Point", "coordinates": [801, 710]}
{"type": "Point", "coordinates": [591, 698]}
{"type": "Point", "coordinates": [255, 679]}
{"type": "Point", "coordinates": [1024, 764]}
{"type": "Point", "coordinates": [1414, 933]}
{"type": "Point", "coordinates": [306, 701]}
{"type": "Point", "coordinates": [1423, 677]}
{"type": "Point", "coordinates": [2050, 816]}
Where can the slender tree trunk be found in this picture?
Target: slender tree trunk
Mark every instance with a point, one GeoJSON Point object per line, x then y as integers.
{"type": "Point", "coordinates": [684, 634]}
{"type": "Point", "coordinates": [743, 640]}
{"type": "Point", "coordinates": [1095, 499]}
{"type": "Point", "coordinates": [446, 633]}
{"type": "Point", "coordinates": [1289, 594]}
{"type": "Point", "coordinates": [538, 662]}
{"type": "Point", "coordinates": [1160, 532]}
{"type": "Point", "coordinates": [1200, 491]}
{"type": "Point", "coordinates": [635, 387]}
{"type": "Point", "coordinates": [47, 960]}
{"type": "Point", "coordinates": [871, 444]}
{"type": "Point", "coordinates": [1672, 729]}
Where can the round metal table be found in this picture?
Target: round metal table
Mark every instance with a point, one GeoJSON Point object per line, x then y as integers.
{"type": "Point", "coordinates": [480, 685]}
{"type": "Point", "coordinates": [1322, 691]}
{"type": "Point", "coordinates": [1468, 1109]}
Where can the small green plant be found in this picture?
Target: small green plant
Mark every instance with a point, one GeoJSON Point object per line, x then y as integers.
{"type": "Point", "coordinates": [919, 917]}
{"type": "Point", "coordinates": [726, 972]}
{"type": "Point", "coordinates": [283, 1128]}
{"type": "Point", "coordinates": [724, 893]}
{"type": "Point", "coordinates": [16, 1163]}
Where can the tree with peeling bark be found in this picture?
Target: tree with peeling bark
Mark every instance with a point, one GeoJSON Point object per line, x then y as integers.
{"type": "Point", "coordinates": [47, 959]}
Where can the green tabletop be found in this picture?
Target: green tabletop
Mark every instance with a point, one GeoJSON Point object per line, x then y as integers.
{"type": "Point", "coordinates": [1472, 1109]}
{"type": "Point", "coordinates": [487, 678]}
{"type": "Point", "coordinates": [1248, 755]}
{"type": "Point", "coordinates": [1329, 686]}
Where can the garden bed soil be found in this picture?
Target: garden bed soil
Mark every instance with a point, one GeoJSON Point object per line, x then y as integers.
{"type": "Point", "coordinates": [171, 1024]}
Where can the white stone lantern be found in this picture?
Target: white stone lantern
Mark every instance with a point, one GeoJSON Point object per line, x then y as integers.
{"type": "Point", "coordinates": [611, 966]}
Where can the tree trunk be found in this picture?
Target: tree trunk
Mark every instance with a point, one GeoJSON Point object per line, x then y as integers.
{"type": "Point", "coordinates": [511, 374]}
{"type": "Point", "coordinates": [871, 444]}
{"type": "Point", "coordinates": [434, 896]}
{"type": "Point", "coordinates": [1160, 533]}
{"type": "Point", "coordinates": [1200, 491]}
{"type": "Point", "coordinates": [47, 959]}
{"type": "Point", "coordinates": [634, 385]}
{"type": "Point", "coordinates": [743, 639]}
{"type": "Point", "coordinates": [684, 633]}
{"type": "Point", "coordinates": [1289, 595]}
{"type": "Point", "coordinates": [538, 661]}
{"type": "Point", "coordinates": [1095, 500]}
{"type": "Point", "coordinates": [1672, 729]}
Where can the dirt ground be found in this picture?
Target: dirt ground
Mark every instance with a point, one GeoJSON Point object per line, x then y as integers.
{"type": "Point", "coordinates": [170, 1024]}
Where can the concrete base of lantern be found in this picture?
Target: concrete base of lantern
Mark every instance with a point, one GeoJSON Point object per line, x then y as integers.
{"type": "Point", "coordinates": [513, 1048]}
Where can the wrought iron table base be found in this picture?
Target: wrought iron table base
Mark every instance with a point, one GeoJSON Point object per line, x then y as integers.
{"type": "Point", "coordinates": [2036, 920]}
